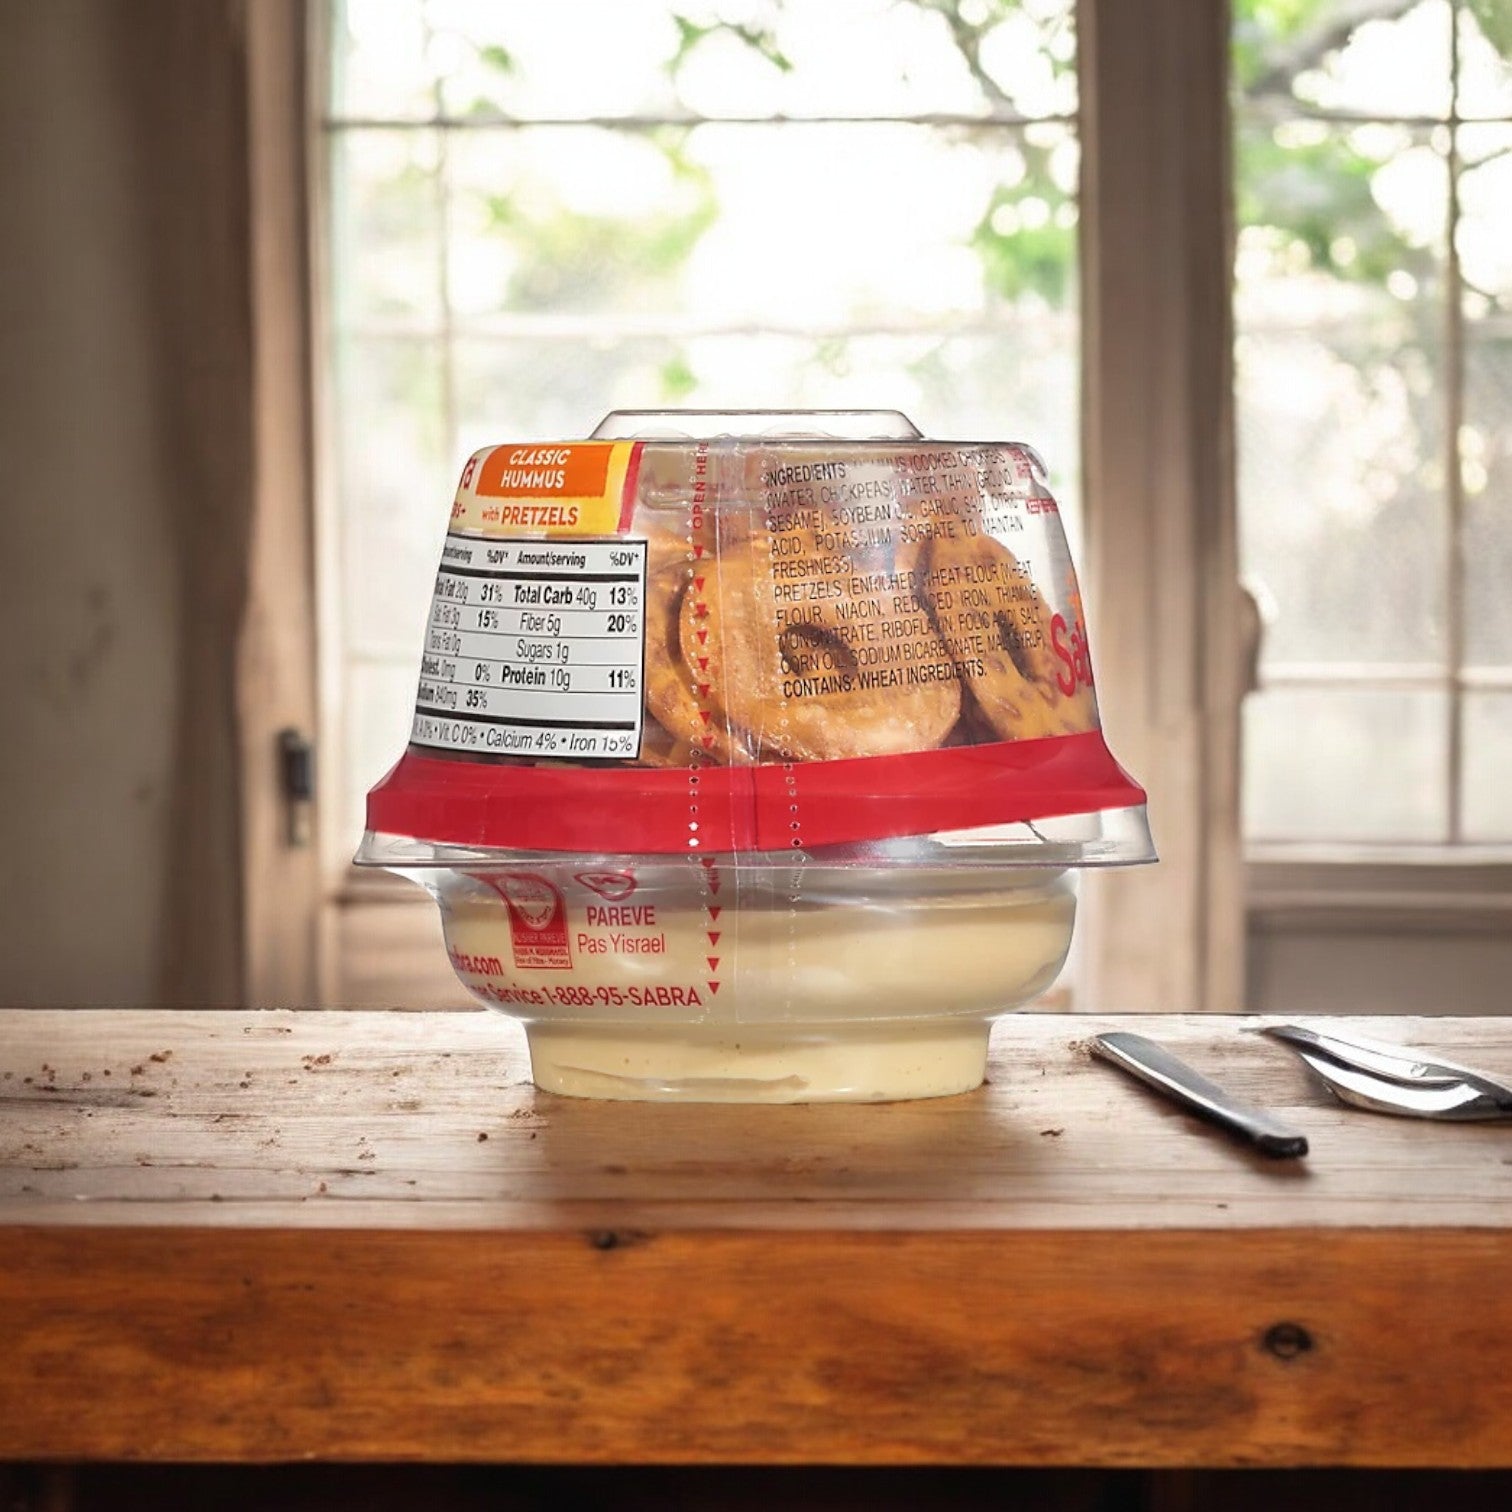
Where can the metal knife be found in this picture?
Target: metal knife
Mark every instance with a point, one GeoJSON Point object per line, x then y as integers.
{"type": "Point", "coordinates": [1155, 1065]}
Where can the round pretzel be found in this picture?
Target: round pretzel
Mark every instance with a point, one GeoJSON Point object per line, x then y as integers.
{"type": "Point", "coordinates": [1020, 689]}
{"type": "Point", "coordinates": [795, 676]}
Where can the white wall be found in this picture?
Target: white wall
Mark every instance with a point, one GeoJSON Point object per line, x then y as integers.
{"type": "Point", "coordinates": [89, 610]}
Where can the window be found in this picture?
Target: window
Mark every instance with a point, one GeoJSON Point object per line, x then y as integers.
{"type": "Point", "coordinates": [1374, 317]}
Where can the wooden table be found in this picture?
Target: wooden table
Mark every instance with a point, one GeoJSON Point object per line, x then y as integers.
{"type": "Point", "coordinates": [284, 1235]}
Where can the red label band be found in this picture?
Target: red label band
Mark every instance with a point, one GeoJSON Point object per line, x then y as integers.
{"type": "Point", "coordinates": [635, 810]}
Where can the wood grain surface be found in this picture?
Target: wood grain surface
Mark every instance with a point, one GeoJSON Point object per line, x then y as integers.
{"type": "Point", "coordinates": [429, 1119]}
{"type": "Point", "coordinates": [1032, 1348]}
{"type": "Point", "coordinates": [271, 1237]}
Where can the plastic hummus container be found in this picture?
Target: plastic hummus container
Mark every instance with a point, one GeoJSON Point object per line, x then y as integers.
{"type": "Point", "coordinates": [755, 766]}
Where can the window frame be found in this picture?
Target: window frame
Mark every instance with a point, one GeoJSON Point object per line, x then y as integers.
{"type": "Point", "coordinates": [1159, 442]}
{"type": "Point", "coordinates": [276, 657]}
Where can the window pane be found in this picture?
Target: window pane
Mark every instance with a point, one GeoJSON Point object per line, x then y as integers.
{"type": "Point", "coordinates": [396, 477]}
{"type": "Point", "coordinates": [1485, 246]}
{"type": "Point", "coordinates": [1488, 764]}
{"type": "Point", "coordinates": [386, 229]}
{"type": "Point", "coordinates": [1485, 58]}
{"type": "Point", "coordinates": [1486, 453]}
{"type": "Point", "coordinates": [1339, 390]}
{"type": "Point", "coordinates": [1321, 55]}
{"type": "Point", "coordinates": [1484, 236]}
{"type": "Point", "coordinates": [382, 65]}
{"type": "Point", "coordinates": [573, 220]}
{"type": "Point", "coordinates": [555, 60]}
{"type": "Point", "coordinates": [741, 225]}
{"type": "Point", "coordinates": [1345, 764]}
{"type": "Point", "coordinates": [644, 57]}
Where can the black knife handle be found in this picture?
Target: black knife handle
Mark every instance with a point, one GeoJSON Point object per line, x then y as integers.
{"type": "Point", "coordinates": [1155, 1066]}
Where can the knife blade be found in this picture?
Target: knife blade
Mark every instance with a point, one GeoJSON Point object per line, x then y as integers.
{"type": "Point", "coordinates": [1154, 1065]}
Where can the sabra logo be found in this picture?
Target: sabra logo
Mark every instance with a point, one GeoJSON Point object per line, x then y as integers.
{"type": "Point", "coordinates": [535, 901]}
{"type": "Point", "coordinates": [612, 886]}
{"type": "Point", "coordinates": [1069, 643]}
{"type": "Point", "coordinates": [468, 471]}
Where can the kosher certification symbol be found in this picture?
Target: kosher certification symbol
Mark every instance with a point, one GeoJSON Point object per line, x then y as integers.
{"type": "Point", "coordinates": [537, 920]}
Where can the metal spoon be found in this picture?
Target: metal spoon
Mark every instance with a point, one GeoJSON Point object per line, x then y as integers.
{"type": "Point", "coordinates": [1394, 1079]}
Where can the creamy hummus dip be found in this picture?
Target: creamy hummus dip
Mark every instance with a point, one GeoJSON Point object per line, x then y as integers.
{"type": "Point", "coordinates": [764, 997]}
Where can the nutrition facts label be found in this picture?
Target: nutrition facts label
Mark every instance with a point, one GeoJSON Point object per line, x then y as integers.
{"type": "Point", "coordinates": [535, 648]}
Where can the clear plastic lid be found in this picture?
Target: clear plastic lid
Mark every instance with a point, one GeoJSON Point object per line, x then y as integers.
{"type": "Point", "coordinates": [716, 632]}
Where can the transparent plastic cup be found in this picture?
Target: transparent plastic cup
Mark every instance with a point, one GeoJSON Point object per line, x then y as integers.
{"type": "Point", "coordinates": [755, 767]}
